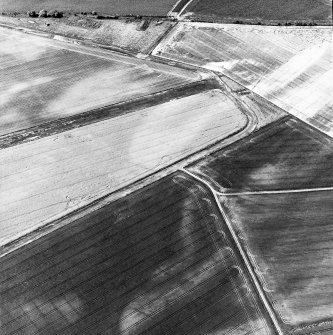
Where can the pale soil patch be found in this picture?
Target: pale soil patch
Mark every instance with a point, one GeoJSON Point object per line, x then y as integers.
{"type": "Point", "coordinates": [43, 79]}
{"type": "Point", "coordinates": [55, 175]}
{"type": "Point", "coordinates": [290, 66]}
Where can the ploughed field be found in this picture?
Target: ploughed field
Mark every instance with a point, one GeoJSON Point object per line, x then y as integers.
{"type": "Point", "coordinates": [285, 10]}
{"type": "Point", "coordinates": [276, 190]}
{"type": "Point", "coordinates": [113, 7]}
{"type": "Point", "coordinates": [290, 66]}
{"type": "Point", "coordinates": [159, 261]}
{"type": "Point", "coordinates": [286, 156]}
{"type": "Point", "coordinates": [49, 177]}
{"type": "Point", "coordinates": [43, 79]}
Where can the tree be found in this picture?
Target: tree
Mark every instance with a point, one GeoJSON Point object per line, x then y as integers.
{"type": "Point", "coordinates": [32, 13]}
{"type": "Point", "coordinates": [43, 13]}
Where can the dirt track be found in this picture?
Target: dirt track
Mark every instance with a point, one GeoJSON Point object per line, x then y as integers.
{"type": "Point", "coordinates": [289, 66]}
{"type": "Point", "coordinates": [157, 261]}
{"type": "Point", "coordinates": [57, 174]}
{"type": "Point", "coordinates": [44, 79]}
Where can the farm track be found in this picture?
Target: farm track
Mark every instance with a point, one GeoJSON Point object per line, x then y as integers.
{"type": "Point", "coordinates": [242, 251]}
{"type": "Point", "coordinates": [274, 160]}
{"type": "Point", "coordinates": [141, 146]}
{"type": "Point", "coordinates": [249, 246]}
{"type": "Point", "coordinates": [282, 64]}
{"type": "Point", "coordinates": [73, 300]}
{"type": "Point", "coordinates": [284, 232]}
{"type": "Point", "coordinates": [100, 119]}
{"type": "Point", "coordinates": [305, 190]}
{"type": "Point", "coordinates": [57, 89]}
{"type": "Point", "coordinates": [83, 119]}
{"type": "Point", "coordinates": [176, 250]}
{"type": "Point", "coordinates": [288, 237]}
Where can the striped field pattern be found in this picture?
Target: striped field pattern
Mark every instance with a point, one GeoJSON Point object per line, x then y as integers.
{"type": "Point", "coordinates": [277, 192]}
{"type": "Point", "coordinates": [292, 67]}
{"type": "Point", "coordinates": [44, 79]}
{"type": "Point", "coordinates": [159, 261]}
{"type": "Point", "coordinates": [55, 175]}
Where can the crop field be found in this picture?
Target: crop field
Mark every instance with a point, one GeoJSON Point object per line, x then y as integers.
{"type": "Point", "coordinates": [159, 261]}
{"type": "Point", "coordinates": [284, 10]}
{"type": "Point", "coordinates": [44, 79]}
{"type": "Point", "coordinates": [174, 179]}
{"type": "Point", "coordinates": [276, 189]}
{"type": "Point", "coordinates": [290, 66]}
{"type": "Point", "coordinates": [118, 7]}
{"type": "Point", "coordinates": [286, 156]}
{"type": "Point", "coordinates": [59, 173]}
{"type": "Point", "coordinates": [289, 237]}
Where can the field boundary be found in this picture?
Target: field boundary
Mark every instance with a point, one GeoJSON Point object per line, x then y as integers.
{"type": "Point", "coordinates": [243, 254]}
{"type": "Point", "coordinates": [56, 221]}
{"type": "Point", "coordinates": [304, 329]}
{"type": "Point", "coordinates": [155, 54]}
{"type": "Point", "coordinates": [64, 124]}
{"type": "Point", "coordinates": [301, 190]}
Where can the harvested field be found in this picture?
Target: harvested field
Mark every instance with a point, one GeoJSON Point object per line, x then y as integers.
{"type": "Point", "coordinates": [290, 66]}
{"type": "Point", "coordinates": [159, 261]}
{"type": "Point", "coordinates": [284, 10]}
{"type": "Point", "coordinates": [289, 239]}
{"type": "Point", "coordinates": [276, 190]}
{"type": "Point", "coordinates": [260, 111]}
{"type": "Point", "coordinates": [53, 176]}
{"type": "Point", "coordinates": [118, 7]}
{"type": "Point", "coordinates": [115, 33]}
{"type": "Point", "coordinates": [286, 156]}
{"type": "Point", "coordinates": [44, 79]}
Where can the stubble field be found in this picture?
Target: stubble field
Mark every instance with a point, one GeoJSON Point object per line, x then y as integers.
{"type": "Point", "coordinates": [289, 66]}
{"type": "Point", "coordinates": [44, 79]}
{"type": "Point", "coordinates": [59, 173]}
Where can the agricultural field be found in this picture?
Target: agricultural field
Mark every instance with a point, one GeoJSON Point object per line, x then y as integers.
{"type": "Point", "coordinates": [175, 179]}
{"type": "Point", "coordinates": [50, 177]}
{"type": "Point", "coordinates": [256, 10]}
{"type": "Point", "coordinates": [44, 79]}
{"type": "Point", "coordinates": [275, 188]}
{"type": "Point", "coordinates": [289, 66]}
{"type": "Point", "coordinates": [285, 156]}
{"type": "Point", "coordinates": [121, 33]}
{"type": "Point", "coordinates": [112, 7]}
{"type": "Point", "coordinates": [289, 238]}
{"type": "Point", "coordinates": [158, 261]}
